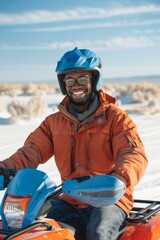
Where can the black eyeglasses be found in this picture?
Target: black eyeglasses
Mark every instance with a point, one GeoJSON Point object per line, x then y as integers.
{"type": "Point", "coordinates": [82, 80]}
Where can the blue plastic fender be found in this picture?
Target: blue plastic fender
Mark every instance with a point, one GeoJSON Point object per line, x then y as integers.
{"type": "Point", "coordinates": [29, 183]}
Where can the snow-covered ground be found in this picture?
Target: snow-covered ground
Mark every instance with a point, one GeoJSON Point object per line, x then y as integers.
{"type": "Point", "coordinates": [12, 137]}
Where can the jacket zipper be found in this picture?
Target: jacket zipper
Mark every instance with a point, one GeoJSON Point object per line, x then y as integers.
{"type": "Point", "coordinates": [75, 128]}
{"type": "Point", "coordinates": [72, 154]}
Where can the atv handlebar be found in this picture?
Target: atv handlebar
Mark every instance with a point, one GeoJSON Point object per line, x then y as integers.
{"type": "Point", "coordinates": [6, 175]}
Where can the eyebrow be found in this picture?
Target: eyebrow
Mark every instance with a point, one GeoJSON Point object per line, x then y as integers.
{"type": "Point", "coordinates": [83, 75]}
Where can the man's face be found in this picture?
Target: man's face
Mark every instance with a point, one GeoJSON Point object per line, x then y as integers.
{"type": "Point", "coordinates": [80, 92]}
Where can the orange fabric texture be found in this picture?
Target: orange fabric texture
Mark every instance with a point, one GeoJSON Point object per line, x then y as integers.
{"type": "Point", "coordinates": [105, 142]}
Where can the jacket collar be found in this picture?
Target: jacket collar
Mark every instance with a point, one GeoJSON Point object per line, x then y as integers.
{"type": "Point", "coordinates": [104, 98]}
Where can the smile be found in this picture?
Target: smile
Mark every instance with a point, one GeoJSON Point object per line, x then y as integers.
{"type": "Point", "coordinates": [78, 93]}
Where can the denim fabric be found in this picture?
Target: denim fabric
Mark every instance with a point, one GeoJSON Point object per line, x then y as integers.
{"type": "Point", "coordinates": [90, 223]}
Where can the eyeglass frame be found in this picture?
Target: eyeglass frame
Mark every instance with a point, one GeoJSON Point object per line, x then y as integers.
{"type": "Point", "coordinates": [76, 80]}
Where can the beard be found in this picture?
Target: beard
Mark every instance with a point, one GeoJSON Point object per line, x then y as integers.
{"type": "Point", "coordinates": [82, 102]}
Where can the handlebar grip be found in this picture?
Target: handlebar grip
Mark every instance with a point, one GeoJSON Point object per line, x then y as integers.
{"type": "Point", "coordinates": [8, 174]}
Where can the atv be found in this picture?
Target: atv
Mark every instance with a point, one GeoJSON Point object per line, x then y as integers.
{"type": "Point", "coordinates": [26, 203]}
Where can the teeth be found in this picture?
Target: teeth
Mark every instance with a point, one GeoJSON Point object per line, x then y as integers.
{"type": "Point", "coordinates": [77, 93]}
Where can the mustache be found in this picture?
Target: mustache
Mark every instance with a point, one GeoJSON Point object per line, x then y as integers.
{"type": "Point", "coordinates": [88, 99]}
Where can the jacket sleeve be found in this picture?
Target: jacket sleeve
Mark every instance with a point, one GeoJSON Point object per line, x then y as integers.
{"type": "Point", "coordinates": [38, 148]}
{"type": "Point", "coordinates": [128, 150]}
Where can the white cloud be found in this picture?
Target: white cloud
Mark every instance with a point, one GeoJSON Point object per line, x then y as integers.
{"type": "Point", "coordinates": [42, 16]}
{"type": "Point", "coordinates": [115, 43]}
{"type": "Point", "coordinates": [91, 26]}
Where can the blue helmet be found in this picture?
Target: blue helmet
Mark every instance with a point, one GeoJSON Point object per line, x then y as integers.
{"type": "Point", "coordinates": [79, 60]}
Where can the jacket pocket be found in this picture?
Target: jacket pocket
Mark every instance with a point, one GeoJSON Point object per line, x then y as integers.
{"type": "Point", "coordinates": [130, 140]}
{"type": "Point", "coordinates": [133, 139]}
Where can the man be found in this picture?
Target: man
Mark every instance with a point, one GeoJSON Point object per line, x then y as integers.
{"type": "Point", "coordinates": [89, 135]}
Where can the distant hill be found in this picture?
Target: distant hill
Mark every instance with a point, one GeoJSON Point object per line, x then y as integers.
{"type": "Point", "coordinates": [135, 79]}
{"type": "Point", "coordinates": [125, 80]}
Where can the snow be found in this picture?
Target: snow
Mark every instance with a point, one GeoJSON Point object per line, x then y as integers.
{"type": "Point", "coordinates": [13, 135]}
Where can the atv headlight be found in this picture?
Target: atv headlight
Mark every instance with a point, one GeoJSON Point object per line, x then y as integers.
{"type": "Point", "coordinates": [14, 211]}
{"type": "Point", "coordinates": [14, 215]}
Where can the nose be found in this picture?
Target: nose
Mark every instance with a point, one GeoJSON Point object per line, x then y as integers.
{"type": "Point", "coordinates": [77, 85]}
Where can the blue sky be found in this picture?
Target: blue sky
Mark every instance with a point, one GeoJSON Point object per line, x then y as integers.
{"type": "Point", "coordinates": [35, 33]}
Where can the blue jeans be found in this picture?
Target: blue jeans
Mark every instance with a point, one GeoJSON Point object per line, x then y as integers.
{"type": "Point", "coordinates": [90, 223]}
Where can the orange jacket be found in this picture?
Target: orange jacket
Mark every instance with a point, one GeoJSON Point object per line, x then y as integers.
{"type": "Point", "coordinates": [105, 142]}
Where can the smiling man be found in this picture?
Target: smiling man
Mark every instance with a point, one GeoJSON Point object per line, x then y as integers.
{"type": "Point", "coordinates": [79, 91]}
{"type": "Point", "coordinates": [88, 136]}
